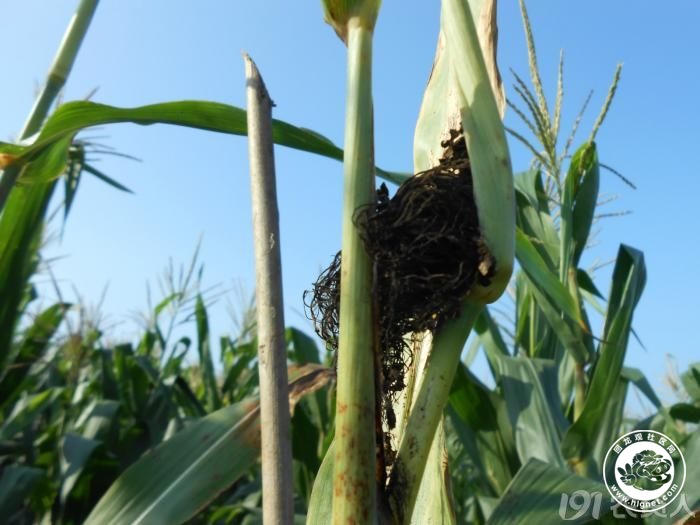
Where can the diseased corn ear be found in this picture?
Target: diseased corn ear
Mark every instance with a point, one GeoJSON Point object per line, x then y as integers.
{"type": "Point", "coordinates": [460, 99]}
{"type": "Point", "coordinates": [340, 13]}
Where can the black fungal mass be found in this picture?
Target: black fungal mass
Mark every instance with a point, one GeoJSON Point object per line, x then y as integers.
{"type": "Point", "coordinates": [427, 251]}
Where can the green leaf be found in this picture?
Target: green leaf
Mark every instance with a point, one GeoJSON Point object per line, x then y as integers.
{"type": "Point", "coordinates": [685, 412]}
{"type": "Point", "coordinates": [689, 499]}
{"type": "Point", "coordinates": [206, 361]}
{"type": "Point", "coordinates": [474, 413]}
{"type": "Point", "coordinates": [541, 494]}
{"type": "Point", "coordinates": [106, 179]}
{"type": "Point", "coordinates": [167, 302]}
{"type": "Point", "coordinates": [535, 316]}
{"type": "Point", "coordinates": [533, 216]}
{"type": "Point", "coordinates": [568, 333]}
{"type": "Point", "coordinates": [638, 379]}
{"type": "Point", "coordinates": [176, 479]}
{"type": "Point", "coordinates": [75, 453]}
{"type": "Point", "coordinates": [33, 345]}
{"type": "Point", "coordinates": [579, 202]}
{"type": "Point", "coordinates": [543, 278]}
{"type": "Point", "coordinates": [304, 349]}
{"type": "Point", "coordinates": [26, 410]}
{"type": "Point", "coordinates": [241, 376]}
{"type": "Point", "coordinates": [691, 452]}
{"type": "Point", "coordinates": [20, 225]}
{"type": "Point", "coordinates": [97, 418]}
{"type": "Point", "coordinates": [586, 283]}
{"type": "Point", "coordinates": [16, 484]}
{"type": "Point", "coordinates": [108, 383]}
{"type": "Point", "coordinates": [71, 177]}
{"type": "Point", "coordinates": [532, 397]}
{"type": "Point", "coordinates": [320, 510]}
{"type": "Point", "coordinates": [609, 428]}
{"type": "Point", "coordinates": [434, 502]}
{"type": "Point", "coordinates": [180, 476]}
{"type": "Point", "coordinates": [629, 278]}
{"type": "Point", "coordinates": [691, 381]}
{"type": "Point", "coordinates": [212, 116]}
{"type": "Point", "coordinates": [490, 338]}
{"type": "Point", "coordinates": [305, 451]}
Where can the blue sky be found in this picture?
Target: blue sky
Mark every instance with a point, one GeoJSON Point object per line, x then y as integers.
{"type": "Point", "coordinates": [192, 184]}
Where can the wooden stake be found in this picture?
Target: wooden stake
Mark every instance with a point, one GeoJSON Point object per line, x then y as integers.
{"type": "Point", "coordinates": [274, 405]}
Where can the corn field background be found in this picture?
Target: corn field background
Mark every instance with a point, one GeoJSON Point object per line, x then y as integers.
{"type": "Point", "coordinates": [119, 404]}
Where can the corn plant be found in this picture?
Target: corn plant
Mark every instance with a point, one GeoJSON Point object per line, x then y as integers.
{"type": "Point", "coordinates": [144, 438]}
{"type": "Point", "coordinates": [560, 395]}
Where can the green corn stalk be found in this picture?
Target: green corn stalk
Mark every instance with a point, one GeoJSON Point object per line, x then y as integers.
{"type": "Point", "coordinates": [56, 79]}
{"type": "Point", "coordinates": [354, 473]}
{"type": "Point", "coordinates": [460, 78]}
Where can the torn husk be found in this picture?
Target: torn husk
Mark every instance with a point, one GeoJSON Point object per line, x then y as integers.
{"type": "Point", "coordinates": [460, 78]}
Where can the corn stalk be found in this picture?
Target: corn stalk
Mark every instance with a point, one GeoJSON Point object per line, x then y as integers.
{"type": "Point", "coordinates": [56, 79]}
{"type": "Point", "coordinates": [354, 474]}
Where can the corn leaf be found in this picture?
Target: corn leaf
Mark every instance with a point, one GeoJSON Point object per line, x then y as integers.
{"type": "Point", "coordinates": [638, 379]}
{"type": "Point", "coordinates": [533, 215]}
{"type": "Point", "coordinates": [567, 375]}
{"type": "Point", "coordinates": [205, 358]}
{"type": "Point", "coordinates": [75, 453]}
{"type": "Point", "coordinates": [212, 116]}
{"type": "Point", "coordinates": [26, 410]}
{"type": "Point", "coordinates": [532, 397]}
{"type": "Point", "coordinates": [540, 327]}
{"type": "Point", "coordinates": [553, 298]}
{"type": "Point", "coordinates": [544, 279]}
{"type": "Point", "coordinates": [33, 345]}
{"type": "Point", "coordinates": [16, 484]}
{"type": "Point", "coordinates": [176, 479]}
{"type": "Point", "coordinates": [629, 278]}
{"type": "Point", "coordinates": [97, 419]}
{"type": "Point", "coordinates": [434, 505]}
{"type": "Point", "coordinates": [320, 511]}
{"type": "Point", "coordinates": [20, 225]}
{"type": "Point", "coordinates": [584, 172]}
{"type": "Point", "coordinates": [691, 452]}
{"type": "Point", "coordinates": [304, 348]}
{"type": "Point", "coordinates": [685, 412]}
{"type": "Point", "coordinates": [536, 493]}
{"type": "Point", "coordinates": [585, 282]}
{"type": "Point", "coordinates": [490, 338]}
{"type": "Point", "coordinates": [689, 499]}
{"type": "Point", "coordinates": [608, 427]}
{"type": "Point", "coordinates": [691, 381]}
{"type": "Point", "coordinates": [474, 414]}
